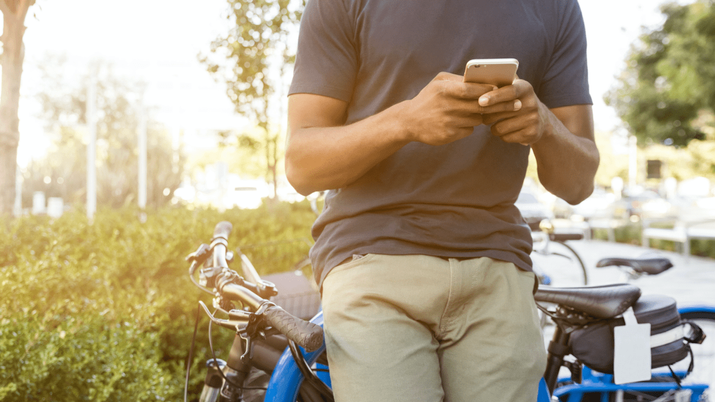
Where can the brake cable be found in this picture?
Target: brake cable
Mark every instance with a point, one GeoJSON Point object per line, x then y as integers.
{"type": "Point", "coordinates": [191, 354]}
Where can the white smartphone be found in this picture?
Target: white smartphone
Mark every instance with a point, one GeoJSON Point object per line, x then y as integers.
{"type": "Point", "coordinates": [498, 72]}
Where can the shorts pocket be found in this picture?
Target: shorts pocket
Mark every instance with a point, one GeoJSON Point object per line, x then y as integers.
{"type": "Point", "coordinates": [357, 259]}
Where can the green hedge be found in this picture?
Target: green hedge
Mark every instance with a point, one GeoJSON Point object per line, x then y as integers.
{"type": "Point", "coordinates": [105, 311]}
{"type": "Point", "coordinates": [631, 234]}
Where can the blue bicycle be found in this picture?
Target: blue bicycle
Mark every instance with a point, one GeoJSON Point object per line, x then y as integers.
{"type": "Point", "coordinates": [279, 358]}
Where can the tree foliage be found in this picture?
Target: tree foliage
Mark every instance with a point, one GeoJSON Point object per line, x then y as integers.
{"type": "Point", "coordinates": [693, 160]}
{"type": "Point", "coordinates": [669, 81]}
{"type": "Point", "coordinates": [251, 58]}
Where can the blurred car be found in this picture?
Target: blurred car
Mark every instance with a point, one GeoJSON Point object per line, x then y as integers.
{"type": "Point", "coordinates": [532, 210]}
{"type": "Point", "coordinates": [647, 203]}
{"type": "Point", "coordinates": [599, 205]}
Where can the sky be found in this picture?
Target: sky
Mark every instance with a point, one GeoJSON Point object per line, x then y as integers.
{"type": "Point", "coordinates": [157, 41]}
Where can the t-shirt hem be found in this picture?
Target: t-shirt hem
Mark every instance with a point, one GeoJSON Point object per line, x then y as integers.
{"type": "Point", "coordinates": [567, 100]}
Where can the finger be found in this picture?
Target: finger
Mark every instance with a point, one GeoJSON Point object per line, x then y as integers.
{"type": "Point", "coordinates": [513, 125]}
{"type": "Point", "coordinates": [468, 120]}
{"type": "Point", "coordinates": [453, 86]}
{"type": "Point", "coordinates": [517, 138]}
{"type": "Point", "coordinates": [503, 94]}
{"type": "Point", "coordinates": [507, 93]}
{"type": "Point", "coordinates": [467, 92]}
{"type": "Point", "coordinates": [523, 136]}
{"type": "Point", "coordinates": [477, 90]}
{"type": "Point", "coordinates": [490, 118]}
{"type": "Point", "coordinates": [503, 107]}
{"type": "Point", "coordinates": [510, 136]}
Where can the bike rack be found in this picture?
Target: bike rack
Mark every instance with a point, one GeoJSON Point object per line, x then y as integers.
{"type": "Point", "coordinates": [595, 382]}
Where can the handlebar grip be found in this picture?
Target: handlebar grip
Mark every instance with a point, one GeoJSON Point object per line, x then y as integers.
{"type": "Point", "coordinates": [304, 333]}
{"type": "Point", "coordinates": [223, 229]}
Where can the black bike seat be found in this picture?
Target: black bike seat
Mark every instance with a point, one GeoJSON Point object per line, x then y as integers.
{"type": "Point", "coordinates": [562, 237]}
{"type": "Point", "coordinates": [606, 301]}
{"type": "Point", "coordinates": [650, 266]}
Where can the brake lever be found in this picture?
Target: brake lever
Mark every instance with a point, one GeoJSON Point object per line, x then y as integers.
{"type": "Point", "coordinates": [207, 276]}
{"type": "Point", "coordinates": [247, 356]}
{"type": "Point", "coordinates": [253, 328]}
{"type": "Point", "coordinates": [198, 257]}
{"type": "Point", "coordinates": [230, 324]}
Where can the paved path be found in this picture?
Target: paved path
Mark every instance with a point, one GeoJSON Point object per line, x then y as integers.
{"type": "Point", "coordinates": [691, 281]}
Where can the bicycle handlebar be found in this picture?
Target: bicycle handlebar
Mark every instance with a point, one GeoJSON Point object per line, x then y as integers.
{"type": "Point", "coordinates": [303, 333]}
{"type": "Point", "coordinates": [243, 294]}
{"type": "Point", "coordinates": [223, 229]}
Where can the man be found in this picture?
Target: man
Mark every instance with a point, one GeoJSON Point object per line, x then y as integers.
{"type": "Point", "coordinates": [422, 256]}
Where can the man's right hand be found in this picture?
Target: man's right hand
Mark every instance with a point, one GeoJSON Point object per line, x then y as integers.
{"type": "Point", "coordinates": [323, 153]}
{"type": "Point", "coordinates": [445, 110]}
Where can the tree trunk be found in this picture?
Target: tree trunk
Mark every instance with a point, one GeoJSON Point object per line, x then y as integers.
{"type": "Point", "coordinates": [274, 166]}
{"type": "Point", "coordinates": [14, 12]}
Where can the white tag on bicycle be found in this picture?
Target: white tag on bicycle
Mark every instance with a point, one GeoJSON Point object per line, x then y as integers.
{"type": "Point", "coordinates": [631, 354]}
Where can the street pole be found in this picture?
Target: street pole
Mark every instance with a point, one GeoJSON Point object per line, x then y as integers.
{"type": "Point", "coordinates": [92, 146]}
{"type": "Point", "coordinates": [142, 179]}
{"type": "Point", "coordinates": [632, 161]}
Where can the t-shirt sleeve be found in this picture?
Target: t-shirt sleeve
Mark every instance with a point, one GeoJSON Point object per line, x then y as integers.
{"type": "Point", "coordinates": [326, 59]}
{"type": "Point", "coordinates": [566, 80]}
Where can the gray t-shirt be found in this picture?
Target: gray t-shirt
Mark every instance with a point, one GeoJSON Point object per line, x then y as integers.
{"type": "Point", "coordinates": [454, 200]}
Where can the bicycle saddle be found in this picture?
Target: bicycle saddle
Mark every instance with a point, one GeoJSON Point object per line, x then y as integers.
{"type": "Point", "coordinates": [650, 266]}
{"type": "Point", "coordinates": [605, 301]}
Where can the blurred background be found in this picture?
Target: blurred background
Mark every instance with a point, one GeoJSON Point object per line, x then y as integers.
{"type": "Point", "coordinates": [128, 129]}
{"type": "Point", "coordinates": [170, 104]}
{"type": "Point", "coordinates": [179, 103]}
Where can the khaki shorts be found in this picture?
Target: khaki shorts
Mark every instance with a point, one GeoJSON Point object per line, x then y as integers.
{"type": "Point", "coordinates": [421, 328]}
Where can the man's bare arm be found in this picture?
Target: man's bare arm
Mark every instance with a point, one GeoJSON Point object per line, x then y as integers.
{"type": "Point", "coordinates": [566, 156]}
{"type": "Point", "coordinates": [322, 153]}
{"type": "Point", "coordinates": [562, 138]}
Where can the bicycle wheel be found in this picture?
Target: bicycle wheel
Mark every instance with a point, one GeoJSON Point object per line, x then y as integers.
{"type": "Point", "coordinates": [703, 354]}
{"type": "Point", "coordinates": [560, 264]}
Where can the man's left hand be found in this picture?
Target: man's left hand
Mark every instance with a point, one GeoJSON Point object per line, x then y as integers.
{"type": "Point", "coordinates": [526, 124]}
